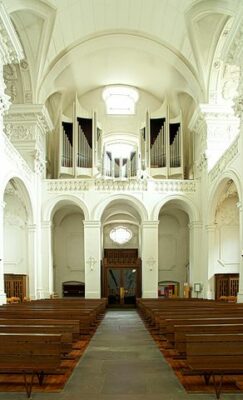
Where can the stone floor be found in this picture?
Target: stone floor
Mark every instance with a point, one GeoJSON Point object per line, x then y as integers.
{"type": "Point", "coordinates": [122, 362]}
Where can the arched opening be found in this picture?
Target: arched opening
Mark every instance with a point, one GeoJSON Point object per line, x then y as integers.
{"type": "Point", "coordinates": [68, 248]}
{"type": "Point", "coordinates": [173, 251]}
{"type": "Point", "coordinates": [19, 267]}
{"type": "Point", "coordinates": [224, 244]}
{"type": "Point", "coordinates": [121, 265]}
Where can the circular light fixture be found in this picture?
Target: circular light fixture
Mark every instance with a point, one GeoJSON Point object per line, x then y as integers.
{"type": "Point", "coordinates": [120, 234]}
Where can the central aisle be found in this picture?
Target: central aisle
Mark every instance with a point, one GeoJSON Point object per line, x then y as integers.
{"type": "Point", "coordinates": [122, 362]}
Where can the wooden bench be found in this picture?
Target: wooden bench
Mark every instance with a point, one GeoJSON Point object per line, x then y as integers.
{"type": "Point", "coordinates": [182, 330]}
{"type": "Point", "coordinates": [214, 355]}
{"type": "Point", "coordinates": [30, 354]}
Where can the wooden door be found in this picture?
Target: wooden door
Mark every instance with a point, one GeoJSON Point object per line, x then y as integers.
{"type": "Point", "coordinates": [121, 276]}
{"type": "Point", "coordinates": [226, 285]}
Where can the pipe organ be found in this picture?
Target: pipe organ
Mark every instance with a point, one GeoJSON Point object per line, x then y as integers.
{"type": "Point", "coordinates": [84, 143]}
{"type": "Point", "coordinates": [165, 159]}
{"type": "Point", "coordinates": [84, 150]}
{"type": "Point", "coordinates": [77, 147]}
{"type": "Point", "coordinates": [67, 145]}
{"type": "Point", "coordinates": [119, 167]}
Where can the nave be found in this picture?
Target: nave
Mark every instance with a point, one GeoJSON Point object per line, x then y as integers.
{"type": "Point", "coordinates": [121, 362]}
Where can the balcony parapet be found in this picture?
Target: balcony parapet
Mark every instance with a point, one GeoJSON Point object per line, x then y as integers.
{"type": "Point", "coordinates": [118, 185]}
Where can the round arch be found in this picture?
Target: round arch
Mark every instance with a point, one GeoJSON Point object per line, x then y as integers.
{"type": "Point", "coordinates": [24, 191]}
{"type": "Point", "coordinates": [133, 201]}
{"type": "Point", "coordinates": [50, 205]}
{"type": "Point", "coordinates": [183, 202]}
{"type": "Point", "coordinates": [217, 191]}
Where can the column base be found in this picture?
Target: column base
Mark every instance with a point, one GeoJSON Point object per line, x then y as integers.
{"type": "Point", "coordinates": [3, 298]}
{"type": "Point", "coordinates": [92, 295]}
{"type": "Point", "coordinates": [150, 295]}
{"type": "Point", "coordinates": [240, 297]}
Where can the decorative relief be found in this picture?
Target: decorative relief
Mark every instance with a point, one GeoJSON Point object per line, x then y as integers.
{"type": "Point", "coordinates": [120, 185]}
{"type": "Point", "coordinates": [16, 158]}
{"type": "Point", "coordinates": [230, 82]}
{"type": "Point", "coordinates": [61, 185]}
{"type": "Point", "coordinates": [202, 163]}
{"type": "Point", "coordinates": [227, 157]}
{"type": "Point", "coordinates": [20, 132]}
{"type": "Point", "coordinates": [175, 186]}
{"type": "Point", "coordinates": [235, 51]}
{"type": "Point", "coordinates": [10, 77]}
{"type": "Point", "coordinates": [10, 47]}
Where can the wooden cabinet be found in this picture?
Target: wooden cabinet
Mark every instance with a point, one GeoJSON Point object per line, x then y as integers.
{"type": "Point", "coordinates": [226, 285]}
{"type": "Point", "coordinates": [16, 285]}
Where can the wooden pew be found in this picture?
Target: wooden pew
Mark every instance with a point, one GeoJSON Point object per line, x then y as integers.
{"type": "Point", "coordinates": [214, 355]}
{"type": "Point", "coordinates": [30, 355]}
{"type": "Point", "coordinates": [182, 330]}
{"type": "Point", "coordinates": [66, 334]}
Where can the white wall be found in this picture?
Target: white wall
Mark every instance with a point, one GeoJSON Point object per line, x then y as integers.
{"type": "Point", "coordinates": [15, 236]}
{"type": "Point", "coordinates": [173, 246]}
{"type": "Point", "coordinates": [227, 244]}
{"type": "Point", "coordinates": [68, 251]}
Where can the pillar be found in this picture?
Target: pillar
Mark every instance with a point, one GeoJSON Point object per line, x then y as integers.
{"type": "Point", "coordinates": [196, 264]}
{"type": "Point", "coordinates": [45, 273]}
{"type": "Point", "coordinates": [150, 259]}
{"type": "Point", "coordinates": [32, 261]}
{"type": "Point", "coordinates": [211, 232]}
{"type": "Point", "coordinates": [240, 293]}
{"type": "Point", "coordinates": [2, 293]}
{"type": "Point", "coordinates": [92, 258]}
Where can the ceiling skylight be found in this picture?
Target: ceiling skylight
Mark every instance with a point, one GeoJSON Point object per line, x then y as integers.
{"type": "Point", "coordinates": [120, 100]}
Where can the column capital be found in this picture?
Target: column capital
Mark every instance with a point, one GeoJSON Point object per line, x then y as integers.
{"type": "Point", "coordinates": [92, 224]}
{"type": "Point", "coordinates": [46, 224]}
{"type": "Point", "coordinates": [32, 227]}
{"type": "Point", "coordinates": [211, 227]}
{"type": "Point", "coordinates": [195, 225]}
{"type": "Point", "coordinates": [150, 224]}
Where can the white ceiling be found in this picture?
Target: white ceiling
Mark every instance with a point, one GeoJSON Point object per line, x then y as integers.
{"type": "Point", "coordinates": [163, 47]}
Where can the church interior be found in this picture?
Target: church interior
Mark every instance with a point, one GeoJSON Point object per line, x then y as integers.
{"type": "Point", "coordinates": [121, 133]}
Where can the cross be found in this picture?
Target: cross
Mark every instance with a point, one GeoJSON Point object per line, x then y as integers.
{"type": "Point", "coordinates": [91, 262]}
{"type": "Point", "coordinates": [151, 262]}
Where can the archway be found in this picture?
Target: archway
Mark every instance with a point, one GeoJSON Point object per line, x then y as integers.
{"type": "Point", "coordinates": [173, 251]}
{"type": "Point", "coordinates": [19, 264]}
{"type": "Point", "coordinates": [67, 247]}
{"type": "Point", "coordinates": [224, 240]}
{"type": "Point", "coordinates": [121, 265]}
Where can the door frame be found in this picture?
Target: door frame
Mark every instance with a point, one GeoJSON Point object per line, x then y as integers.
{"type": "Point", "coordinates": [121, 262]}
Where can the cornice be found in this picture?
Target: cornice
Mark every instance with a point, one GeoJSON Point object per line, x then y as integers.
{"type": "Point", "coordinates": [32, 114]}
{"type": "Point", "coordinates": [10, 47]}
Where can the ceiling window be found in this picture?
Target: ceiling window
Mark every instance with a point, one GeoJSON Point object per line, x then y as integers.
{"type": "Point", "coordinates": [120, 100]}
{"type": "Point", "coordinates": [120, 234]}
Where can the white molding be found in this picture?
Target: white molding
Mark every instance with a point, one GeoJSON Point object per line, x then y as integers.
{"type": "Point", "coordinates": [10, 47]}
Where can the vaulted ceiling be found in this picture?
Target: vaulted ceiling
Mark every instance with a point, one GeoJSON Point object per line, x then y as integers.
{"type": "Point", "coordinates": [163, 47]}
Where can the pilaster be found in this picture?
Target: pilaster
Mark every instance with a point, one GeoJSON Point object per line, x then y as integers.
{"type": "Point", "coordinates": [92, 257]}
{"type": "Point", "coordinates": [240, 293]}
{"type": "Point", "coordinates": [2, 293]}
{"type": "Point", "coordinates": [196, 262]}
{"type": "Point", "coordinates": [45, 270]}
{"type": "Point", "coordinates": [150, 259]}
{"type": "Point", "coordinates": [27, 125]}
{"type": "Point", "coordinates": [211, 232]}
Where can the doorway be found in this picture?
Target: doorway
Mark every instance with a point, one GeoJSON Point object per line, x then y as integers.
{"type": "Point", "coordinates": [122, 285]}
{"type": "Point", "coordinates": [121, 277]}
